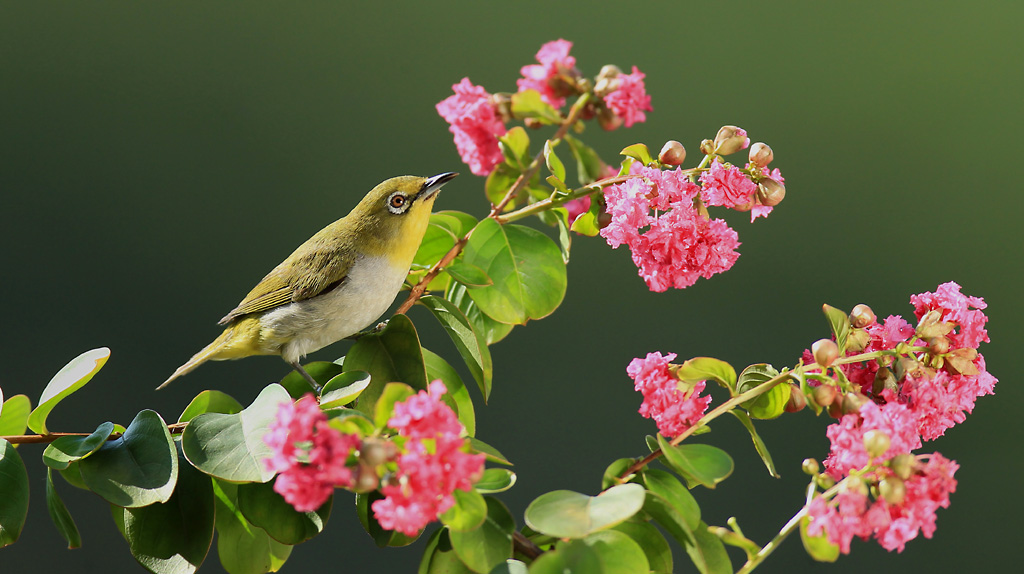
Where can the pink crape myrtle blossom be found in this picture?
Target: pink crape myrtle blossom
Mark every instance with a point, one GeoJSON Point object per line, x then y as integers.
{"type": "Point", "coordinates": [763, 210]}
{"type": "Point", "coordinates": [433, 465]}
{"type": "Point", "coordinates": [674, 246]}
{"type": "Point", "coordinates": [308, 454]}
{"type": "Point", "coordinates": [851, 513]}
{"type": "Point", "coordinates": [727, 186]}
{"type": "Point", "coordinates": [882, 337]}
{"type": "Point", "coordinates": [630, 100]}
{"type": "Point", "coordinates": [940, 400]}
{"type": "Point", "coordinates": [554, 67]}
{"type": "Point", "coordinates": [476, 125]}
{"type": "Point", "coordinates": [956, 307]}
{"type": "Point", "coordinates": [847, 436]}
{"type": "Point", "coordinates": [673, 409]}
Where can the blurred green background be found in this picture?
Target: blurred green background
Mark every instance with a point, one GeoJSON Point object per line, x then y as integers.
{"type": "Point", "coordinates": [157, 159]}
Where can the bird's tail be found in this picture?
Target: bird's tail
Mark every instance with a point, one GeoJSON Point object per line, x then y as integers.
{"type": "Point", "coordinates": [209, 352]}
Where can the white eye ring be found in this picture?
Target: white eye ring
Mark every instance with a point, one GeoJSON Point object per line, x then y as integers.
{"type": "Point", "coordinates": [397, 202]}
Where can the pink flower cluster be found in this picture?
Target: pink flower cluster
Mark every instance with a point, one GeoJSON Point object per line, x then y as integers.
{"type": "Point", "coordinates": [554, 71]}
{"type": "Point", "coordinates": [851, 513]}
{"type": "Point", "coordinates": [672, 409]}
{"type": "Point", "coordinates": [727, 186]}
{"type": "Point", "coordinates": [630, 100]}
{"type": "Point", "coordinates": [433, 465]}
{"type": "Point", "coordinates": [847, 437]}
{"type": "Point", "coordinates": [675, 245]}
{"type": "Point", "coordinates": [308, 454]}
{"type": "Point", "coordinates": [476, 125]}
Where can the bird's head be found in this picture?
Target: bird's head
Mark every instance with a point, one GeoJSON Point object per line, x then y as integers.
{"type": "Point", "coordinates": [396, 212]}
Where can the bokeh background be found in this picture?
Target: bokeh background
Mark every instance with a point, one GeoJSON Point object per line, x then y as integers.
{"type": "Point", "coordinates": [156, 159]}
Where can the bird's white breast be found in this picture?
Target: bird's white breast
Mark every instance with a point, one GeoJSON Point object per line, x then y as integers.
{"type": "Point", "coordinates": [305, 326]}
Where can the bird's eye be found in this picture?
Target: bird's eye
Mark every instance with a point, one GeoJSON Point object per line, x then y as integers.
{"type": "Point", "coordinates": [397, 202]}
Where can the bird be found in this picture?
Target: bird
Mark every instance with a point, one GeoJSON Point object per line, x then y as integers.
{"type": "Point", "coordinates": [335, 284]}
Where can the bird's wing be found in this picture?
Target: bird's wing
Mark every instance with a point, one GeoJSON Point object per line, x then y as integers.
{"type": "Point", "coordinates": [299, 277]}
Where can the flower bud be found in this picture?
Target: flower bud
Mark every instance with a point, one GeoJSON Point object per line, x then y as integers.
{"type": "Point", "coordinates": [835, 410]}
{"type": "Point", "coordinates": [938, 345]}
{"type": "Point", "coordinates": [907, 366]}
{"type": "Point", "coordinates": [761, 154]}
{"type": "Point", "coordinates": [707, 147]}
{"type": "Point", "coordinates": [809, 466]}
{"type": "Point", "coordinates": [825, 352]}
{"type": "Point", "coordinates": [731, 139]}
{"type": "Point", "coordinates": [884, 379]}
{"type": "Point", "coordinates": [824, 395]}
{"type": "Point", "coordinates": [892, 489]}
{"type": "Point", "coordinates": [862, 316]}
{"type": "Point", "coordinates": [852, 402]}
{"type": "Point", "coordinates": [824, 481]}
{"type": "Point", "coordinates": [607, 119]}
{"type": "Point", "coordinates": [876, 442]}
{"type": "Point", "coordinates": [797, 401]}
{"type": "Point", "coordinates": [374, 452]}
{"type": "Point", "coordinates": [854, 484]}
{"type": "Point", "coordinates": [673, 153]}
{"type": "Point", "coordinates": [365, 478]}
{"type": "Point", "coordinates": [902, 465]}
{"type": "Point", "coordinates": [770, 192]}
{"type": "Point", "coordinates": [857, 340]}
{"type": "Point", "coordinates": [607, 80]}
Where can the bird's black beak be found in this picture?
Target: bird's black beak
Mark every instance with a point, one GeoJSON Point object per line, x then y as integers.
{"type": "Point", "coordinates": [434, 184]}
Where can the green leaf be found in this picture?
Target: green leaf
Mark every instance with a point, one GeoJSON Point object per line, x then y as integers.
{"type": "Point", "coordinates": [14, 486]}
{"type": "Point", "coordinates": [675, 494]}
{"type": "Point", "coordinates": [651, 541]}
{"type": "Point", "coordinates": [669, 518]}
{"type": "Point", "coordinates": [440, 558]}
{"type": "Point", "coordinates": [589, 166]}
{"type": "Point", "coordinates": [457, 396]}
{"type": "Point", "coordinates": [343, 389]}
{"type": "Point", "coordinates": [391, 355]}
{"type": "Point", "coordinates": [491, 330]}
{"type": "Point", "coordinates": [528, 104]}
{"type": "Point", "coordinates": [576, 557]}
{"type": "Point", "coordinates": [611, 474]}
{"type": "Point", "coordinates": [458, 222]}
{"type": "Point", "coordinates": [554, 164]}
{"type": "Point", "coordinates": [526, 267]}
{"type": "Point", "coordinates": [492, 454]}
{"type": "Point", "coordinates": [638, 152]}
{"type": "Point", "coordinates": [230, 446]}
{"type": "Point", "coordinates": [839, 321]}
{"type": "Point", "coordinates": [393, 393]}
{"type": "Point", "coordinates": [495, 480]}
{"type": "Point", "coordinates": [770, 404]}
{"type": "Point", "coordinates": [263, 507]}
{"type": "Point", "coordinates": [568, 514]}
{"type": "Point", "coordinates": [381, 537]}
{"type": "Point", "coordinates": [73, 476]}
{"type": "Point", "coordinates": [69, 379]}
{"type": "Point", "coordinates": [59, 514]}
{"type": "Point", "coordinates": [499, 182]}
{"type": "Point", "coordinates": [697, 463]}
{"type": "Point", "coordinates": [468, 274]}
{"type": "Point", "coordinates": [14, 415]}
{"type": "Point", "coordinates": [350, 421]}
{"type": "Point", "coordinates": [558, 185]}
{"type": "Point", "coordinates": [468, 512]}
{"type": "Point", "coordinates": [510, 566]}
{"type": "Point", "coordinates": [66, 449]}
{"type": "Point", "coordinates": [488, 545]}
{"type": "Point", "coordinates": [210, 402]}
{"type": "Point", "coordinates": [619, 553]}
{"type": "Point", "coordinates": [136, 469]}
{"type": "Point", "coordinates": [469, 342]}
{"type": "Point", "coordinates": [564, 237]}
{"type": "Point", "coordinates": [242, 547]}
{"type": "Point", "coordinates": [759, 445]}
{"type": "Point", "coordinates": [818, 547]}
{"type": "Point", "coordinates": [437, 241]}
{"type": "Point", "coordinates": [708, 552]}
{"type": "Point", "coordinates": [321, 371]}
{"type": "Point", "coordinates": [588, 223]}
{"type": "Point", "coordinates": [172, 537]}
{"type": "Point", "coordinates": [707, 369]}
{"type": "Point", "coordinates": [515, 146]}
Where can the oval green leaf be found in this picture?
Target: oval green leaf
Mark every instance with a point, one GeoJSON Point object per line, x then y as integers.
{"type": "Point", "coordinates": [528, 104]}
{"type": "Point", "coordinates": [818, 547]}
{"type": "Point", "coordinates": [526, 267]}
{"type": "Point", "coordinates": [614, 470]}
{"type": "Point", "coordinates": [619, 553]}
{"type": "Point", "coordinates": [457, 396]}
{"type": "Point", "coordinates": [14, 486]}
{"type": "Point", "coordinates": [391, 355]}
{"type": "Point", "coordinates": [510, 566]}
{"type": "Point", "coordinates": [697, 463]}
{"type": "Point", "coordinates": [468, 274]}
{"type": "Point", "coordinates": [437, 240]}
{"type": "Point", "coordinates": [242, 547]}
{"type": "Point", "coordinates": [263, 507]}
{"type": "Point", "coordinates": [705, 369]}
{"type": "Point", "coordinates": [568, 514]}
{"type": "Point", "coordinates": [770, 404]}
{"type": "Point", "coordinates": [14, 416]}
{"type": "Point", "coordinates": [488, 545]}
{"type": "Point", "coordinates": [495, 480]}
{"type": "Point", "coordinates": [555, 165]}
{"type": "Point", "coordinates": [589, 166]}
{"type": "Point", "coordinates": [172, 537]}
{"type": "Point", "coordinates": [67, 449]}
{"type": "Point", "coordinates": [440, 558]}
{"type": "Point", "coordinates": [210, 402]}
{"type": "Point", "coordinates": [468, 512]}
{"type": "Point", "coordinates": [470, 343]}
{"type": "Point", "coordinates": [839, 322]}
{"type": "Point", "coordinates": [666, 515]}
{"type": "Point", "coordinates": [708, 552]}
{"type": "Point", "coordinates": [69, 379]}
{"type": "Point", "coordinates": [650, 539]}
{"type": "Point", "coordinates": [136, 469]}
{"type": "Point", "coordinates": [321, 371]}
{"type": "Point", "coordinates": [572, 558]}
{"type": "Point", "coordinates": [59, 514]}
{"type": "Point", "coordinates": [491, 330]}
{"type": "Point", "coordinates": [480, 447]}
{"type": "Point", "coordinates": [230, 446]}
{"type": "Point", "coordinates": [675, 494]}
{"type": "Point", "coordinates": [393, 394]}
{"type": "Point", "coordinates": [343, 389]}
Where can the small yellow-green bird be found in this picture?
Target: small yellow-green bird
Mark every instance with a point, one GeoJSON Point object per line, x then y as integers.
{"type": "Point", "coordinates": [335, 284]}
